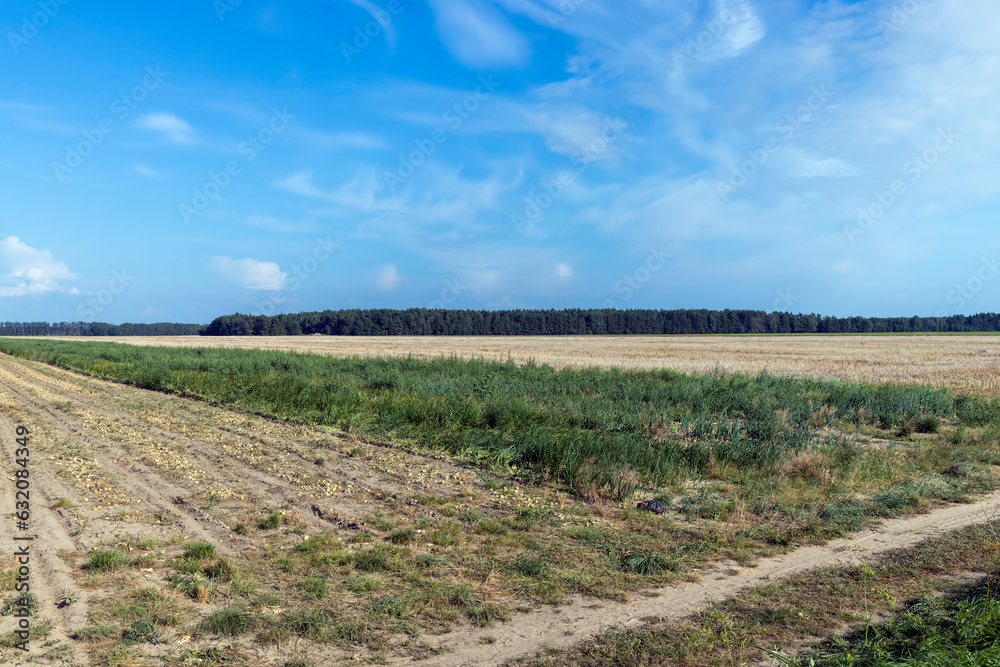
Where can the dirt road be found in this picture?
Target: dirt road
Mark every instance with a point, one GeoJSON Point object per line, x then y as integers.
{"type": "Point", "coordinates": [583, 619]}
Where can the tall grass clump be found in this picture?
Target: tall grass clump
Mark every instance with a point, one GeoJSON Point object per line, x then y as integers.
{"type": "Point", "coordinates": [934, 631]}
{"type": "Point", "coordinates": [603, 432]}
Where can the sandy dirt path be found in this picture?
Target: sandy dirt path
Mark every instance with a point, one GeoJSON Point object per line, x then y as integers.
{"type": "Point", "coordinates": [584, 619]}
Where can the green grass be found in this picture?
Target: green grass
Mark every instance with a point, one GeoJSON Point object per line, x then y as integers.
{"type": "Point", "coordinates": [223, 570]}
{"type": "Point", "coordinates": [647, 562]}
{"type": "Point", "coordinates": [796, 621]}
{"type": "Point", "coordinates": [599, 431]}
{"type": "Point", "coordinates": [373, 560]}
{"type": "Point", "coordinates": [403, 536]}
{"type": "Point", "coordinates": [933, 631]}
{"type": "Point", "coordinates": [106, 561]}
{"type": "Point", "coordinates": [199, 551]}
{"type": "Point", "coordinates": [230, 622]}
{"type": "Point", "coordinates": [142, 632]}
{"type": "Point", "coordinates": [149, 605]}
{"type": "Point", "coordinates": [315, 588]}
{"type": "Point", "coordinates": [16, 603]}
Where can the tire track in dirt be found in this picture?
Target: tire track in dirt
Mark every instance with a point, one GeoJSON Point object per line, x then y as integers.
{"type": "Point", "coordinates": [50, 576]}
{"type": "Point", "coordinates": [583, 619]}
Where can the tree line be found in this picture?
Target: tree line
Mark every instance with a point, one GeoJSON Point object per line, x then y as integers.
{"type": "Point", "coordinates": [437, 322]}
{"type": "Point", "coordinates": [97, 329]}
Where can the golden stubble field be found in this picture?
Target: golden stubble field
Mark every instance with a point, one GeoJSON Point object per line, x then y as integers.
{"type": "Point", "coordinates": [970, 363]}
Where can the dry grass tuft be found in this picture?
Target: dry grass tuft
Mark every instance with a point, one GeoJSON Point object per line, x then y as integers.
{"type": "Point", "coordinates": [809, 465]}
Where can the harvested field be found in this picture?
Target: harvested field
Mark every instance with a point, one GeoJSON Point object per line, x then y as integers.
{"type": "Point", "coordinates": [964, 362]}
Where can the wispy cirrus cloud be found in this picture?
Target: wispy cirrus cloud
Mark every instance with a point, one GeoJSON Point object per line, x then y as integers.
{"type": "Point", "coordinates": [172, 127]}
{"type": "Point", "coordinates": [478, 35]}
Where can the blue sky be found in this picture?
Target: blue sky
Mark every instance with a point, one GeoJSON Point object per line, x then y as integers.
{"type": "Point", "coordinates": [183, 161]}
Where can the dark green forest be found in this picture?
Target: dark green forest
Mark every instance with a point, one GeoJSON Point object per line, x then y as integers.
{"type": "Point", "coordinates": [97, 329]}
{"type": "Point", "coordinates": [433, 322]}
{"type": "Point", "coordinates": [426, 322]}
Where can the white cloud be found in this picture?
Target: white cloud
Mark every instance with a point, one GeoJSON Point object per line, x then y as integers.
{"type": "Point", "coordinates": [301, 183]}
{"type": "Point", "coordinates": [173, 127]}
{"type": "Point", "coordinates": [433, 196]}
{"type": "Point", "coordinates": [250, 273]}
{"type": "Point", "coordinates": [745, 29]}
{"type": "Point", "coordinates": [386, 278]}
{"type": "Point", "coordinates": [359, 192]}
{"type": "Point", "coordinates": [798, 164]}
{"type": "Point", "coordinates": [564, 271]}
{"type": "Point", "coordinates": [568, 130]}
{"type": "Point", "coordinates": [478, 35]}
{"type": "Point", "coordinates": [27, 271]}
